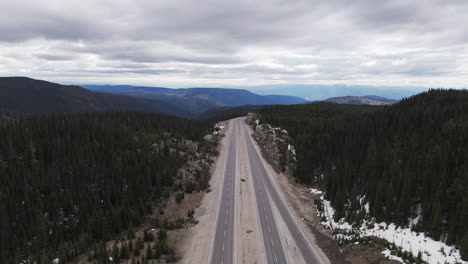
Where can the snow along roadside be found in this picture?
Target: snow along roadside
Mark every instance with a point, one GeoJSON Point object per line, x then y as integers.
{"type": "Point", "coordinates": [431, 251]}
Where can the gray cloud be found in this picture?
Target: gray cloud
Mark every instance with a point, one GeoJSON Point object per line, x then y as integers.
{"type": "Point", "coordinates": [184, 42]}
{"type": "Point", "coordinates": [55, 57]}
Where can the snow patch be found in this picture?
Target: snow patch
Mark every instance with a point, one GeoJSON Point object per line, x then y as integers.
{"type": "Point", "coordinates": [315, 191]}
{"type": "Point", "coordinates": [389, 255]}
{"type": "Point", "coordinates": [432, 252]}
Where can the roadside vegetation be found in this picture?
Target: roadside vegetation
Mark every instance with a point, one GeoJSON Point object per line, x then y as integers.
{"type": "Point", "coordinates": [71, 182]}
{"type": "Point", "coordinates": [404, 164]}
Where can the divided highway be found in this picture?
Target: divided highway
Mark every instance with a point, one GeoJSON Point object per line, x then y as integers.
{"type": "Point", "coordinates": [271, 208]}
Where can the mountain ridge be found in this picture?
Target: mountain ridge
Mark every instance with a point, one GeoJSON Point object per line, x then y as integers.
{"type": "Point", "coordinates": [361, 100]}
{"type": "Point", "coordinates": [26, 96]}
{"type": "Point", "coordinates": [199, 99]}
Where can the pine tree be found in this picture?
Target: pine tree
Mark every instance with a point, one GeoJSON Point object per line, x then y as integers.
{"type": "Point", "coordinates": [115, 253]}
{"type": "Point", "coordinates": [464, 247]}
{"type": "Point", "coordinates": [149, 252]}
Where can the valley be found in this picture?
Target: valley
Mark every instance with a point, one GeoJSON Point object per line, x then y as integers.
{"type": "Point", "coordinates": [233, 132]}
{"type": "Point", "coordinates": [299, 183]}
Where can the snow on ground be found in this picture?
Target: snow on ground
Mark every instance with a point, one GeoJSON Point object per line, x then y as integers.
{"type": "Point", "coordinates": [433, 252]}
{"type": "Point", "coordinates": [389, 255]}
{"type": "Point", "coordinates": [292, 149]}
{"type": "Point", "coordinates": [315, 191]}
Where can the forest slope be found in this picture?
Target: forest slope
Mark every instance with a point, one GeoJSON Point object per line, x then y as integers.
{"type": "Point", "coordinates": [71, 181]}
{"type": "Point", "coordinates": [405, 160]}
{"type": "Point", "coordinates": [198, 100]}
{"type": "Point", "coordinates": [21, 95]}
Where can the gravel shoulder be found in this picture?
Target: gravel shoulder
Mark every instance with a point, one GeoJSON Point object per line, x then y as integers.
{"type": "Point", "coordinates": [196, 246]}
{"type": "Point", "coordinates": [300, 208]}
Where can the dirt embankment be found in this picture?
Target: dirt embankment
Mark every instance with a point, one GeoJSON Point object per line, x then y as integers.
{"type": "Point", "coordinates": [196, 243]}
{"type": "Point", "coordinates": [275, 143]}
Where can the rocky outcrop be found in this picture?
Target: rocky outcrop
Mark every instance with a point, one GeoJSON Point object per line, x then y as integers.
{"type": "Point", "coordinates": [275, 143]}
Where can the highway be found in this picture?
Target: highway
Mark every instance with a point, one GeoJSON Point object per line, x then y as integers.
{"type": "Point", "coordinates": [265, 181]}
{"type": "Point", "coordinates": [271, 209]}
{"type": "Point", "coordinates": [223, 245]}
{"type": "Point", "coordinates": [274, 252]}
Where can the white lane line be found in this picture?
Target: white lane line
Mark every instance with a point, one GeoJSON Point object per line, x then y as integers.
{"type": "Point", "coordinates": [271, 241]}
{"type": "Point", "coordinates": [269, 230]}
{"type": "Point", "coordinates": [223, 247]}
{"type": "Point", "coordinates": [224, 233]}
{"type": "Point", "coordinates": [276, 259]}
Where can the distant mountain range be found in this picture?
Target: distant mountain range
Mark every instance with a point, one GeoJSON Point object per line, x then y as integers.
{"type": "Point", "coordinates": [313, 92]}
{"type": "Point", "coordinates": [198, 100]}
{"type": "Point", "coordinates": [27, 96]}
{"type": "Point", "coordinates": [22, 95]}
{"type": "Point", "coordinates": [226, 112]}
{"type": "Point", "coordinates": [362, 100]}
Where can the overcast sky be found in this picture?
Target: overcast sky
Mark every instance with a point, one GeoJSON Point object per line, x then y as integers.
{"type": "Point", "coordinates": [182, 43]}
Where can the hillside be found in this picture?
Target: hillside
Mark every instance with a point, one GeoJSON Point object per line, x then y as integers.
{"type": "Point", "coordinates": [404, 164]}
{"type": "Point", "coordinates": [198, 100]}
{"type": "Point", "coordinates": [323, 91]}
{"type": "Point", "coordinates": [71, 182]}
{"type": "Point", "coordinates": [361, 100]}
{"type": "Point", "coordinates": [23, 95]}
{"type": "Point", "coordinates": [228, 112]}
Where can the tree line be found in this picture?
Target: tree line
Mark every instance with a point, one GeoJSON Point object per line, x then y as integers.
{"type": "Point", "coordinates": [68, 182]}
{"type": "Point", "coordinates": [407, 159]}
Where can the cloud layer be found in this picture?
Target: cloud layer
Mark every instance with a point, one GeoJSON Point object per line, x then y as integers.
{"type": "Point", "coordinates": [217, 42]}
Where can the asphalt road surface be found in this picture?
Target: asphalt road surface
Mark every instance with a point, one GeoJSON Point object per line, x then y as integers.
{"type": "Point", "coordinates": [259, 171]}
{"type": "Point", "coordinates": [274, 252]}
{"type": "Point", "coordinates": [267, 199]}
{"type": "Point", "coordinates": [223, 247]}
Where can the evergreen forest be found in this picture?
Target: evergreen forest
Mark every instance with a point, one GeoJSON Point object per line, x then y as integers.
{"type": "Point", "coordinates": [68, 182]}
{"type": "Point", "coordinates": [407, 160]}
